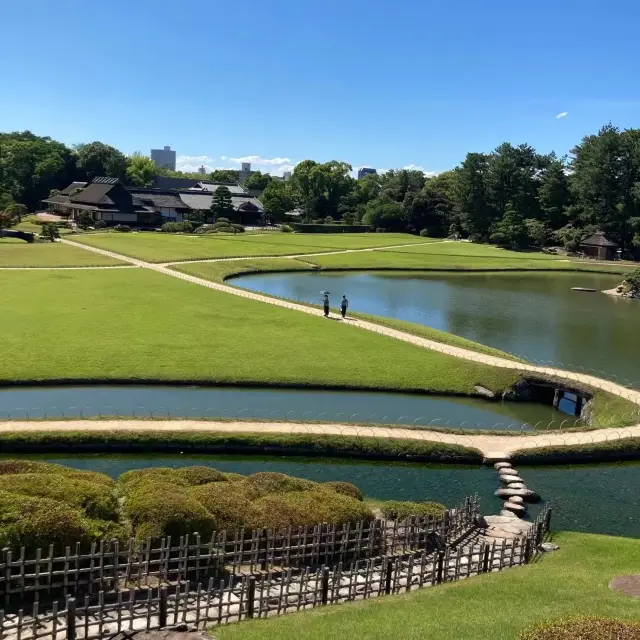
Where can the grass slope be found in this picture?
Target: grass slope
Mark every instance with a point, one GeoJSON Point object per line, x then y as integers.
{"type": "Point", "coordinates": [137, 324]}
{"type": "Point", "coordinates": [160, 247]}
{"type": "Point", "coordinates": [16, 253]}
{"type": "Point", "coordinates": [498, 606]}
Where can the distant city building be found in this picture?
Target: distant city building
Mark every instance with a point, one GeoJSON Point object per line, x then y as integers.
{"type": "Point", "coordinates": [286, 175]}
{"type": "Point", "coordinates": [164, 158]}
{"type": "Point", "coordinates": [365, 171]}
{"type": "Point", "coordinates": [244, 172]}
{"type": "Point", "coordinates": [202, 170]}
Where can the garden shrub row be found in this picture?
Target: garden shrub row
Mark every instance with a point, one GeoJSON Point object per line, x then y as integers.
{"type": "Point", "coordinates": [584, 628]}
{"type": "Point", "coordinates": [330, 228]}
{"type": "Point", "coordinates": [623, 449]}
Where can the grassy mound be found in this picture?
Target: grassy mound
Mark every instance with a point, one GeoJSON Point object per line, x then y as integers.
{"type": "Point", "coordinates": [402, 510]}
{"type": "Point", "coordinates": [588, 627]}
{"type": "Point", "coordinates": [346, 489]}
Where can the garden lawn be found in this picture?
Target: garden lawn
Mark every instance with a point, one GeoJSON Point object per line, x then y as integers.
{"type": "Point", "coordinates": [218, 271]}
{"type": "Point", "coordinates": [17, 253]}
{"type": "Point", "coordinates": [497, 606]}
{"type": "Point", "coordinates": [136, 324]}
{"type": "Point", "coordinates": [163, 247]}
{"type": "Point", "coordinates": [458, 256]}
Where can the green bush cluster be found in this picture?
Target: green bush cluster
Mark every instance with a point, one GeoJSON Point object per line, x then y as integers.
{"type": "Point", "coordinates": [43, 503]}
{"type": "Point", "coordinates": [122, 228]}
{"type": "Point", "coordinates": [583, 628]}
{"type": "Point", "coordinates": [397, 510]}
{"type": "Point", "coordinates": [175, 502]}
{"type": "Point", "coordinates": [177, 227]}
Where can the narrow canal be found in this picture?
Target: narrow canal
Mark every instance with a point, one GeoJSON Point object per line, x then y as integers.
{"type": "Point", "coordinates": [277, 405]}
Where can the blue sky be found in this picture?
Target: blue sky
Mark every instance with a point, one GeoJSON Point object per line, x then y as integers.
{"type": "Point", "coordinates": [383, 84]}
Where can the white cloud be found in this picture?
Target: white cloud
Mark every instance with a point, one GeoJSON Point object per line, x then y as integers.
{"type": "Point", "coordinates": [563, 114]}
{"type": "Point", "coordinates": [260, 161]}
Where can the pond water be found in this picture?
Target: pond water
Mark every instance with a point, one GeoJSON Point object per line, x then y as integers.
{"type": "Point", "coordinates": [275, 404]}
{"type": "Point", "coordinates": [592, 498]}
{"type": "Point", "coordinates": [533, 315]}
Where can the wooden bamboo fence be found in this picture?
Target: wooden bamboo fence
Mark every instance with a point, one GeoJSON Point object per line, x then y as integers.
{"type": "Point", "coordinates": [266, 593]}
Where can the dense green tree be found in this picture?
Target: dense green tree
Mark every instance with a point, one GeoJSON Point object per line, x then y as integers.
{"type": "Point", "coordinates": [538, 232]}
{"type": "Point", "coordinates": [319, 189]}
{"type": "Point", "coordinates": [257, 180]}
{"type": "Point", "coordinates": [510, 231]}
{"type": "Point", "coordinates": [384, 213]}
{"type": "Point", "coordinates": [49, 232]}
{"type": "Point", "coordinates": [230, 176]}
{"type": "Point", "coordinates": [85, 220]}
{"type": "Point", "coordinates": [30, 166]}
{"type": "Point", "coordinates": [277, 200]}
{"type": "Point", "coordinates": [471, 198]}
{"type": "Point", "coordinates": [17, 211]}
{"type": "Point", "coordinates": [141, 170]}
{"type": "Point", "coordinates": [553, 194]}
{"type": "Point", "coordinates": [222, 205]}
{"type": "Point", "coordinates": [97, 159]}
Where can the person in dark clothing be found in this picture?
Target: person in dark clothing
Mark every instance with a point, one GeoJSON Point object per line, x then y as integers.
{"type": "Point", "coordinates": [325, 304]}
{"type": "Point", "coordinates": [343, 306]}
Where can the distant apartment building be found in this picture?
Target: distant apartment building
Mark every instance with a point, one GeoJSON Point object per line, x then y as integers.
{"type": "Point", "coordinates": [244, 172]}
{"type": "Point", "coordinates": [164, 158]}
{"type": "Point", "coordinates": [202, 170]}
{"type": "Point", "coordinates": [286, 175]}
{"type": "Point", "coordinates": [365, 171]}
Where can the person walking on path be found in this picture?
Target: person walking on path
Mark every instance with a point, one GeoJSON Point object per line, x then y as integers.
{"type": "Point", "coordinates": [325, 304]}
{"type": "Point", "coordinates": [343, 306]}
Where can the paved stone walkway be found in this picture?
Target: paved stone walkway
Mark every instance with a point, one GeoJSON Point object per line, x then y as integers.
{"type": "Point", "coordinates": [458, 352]}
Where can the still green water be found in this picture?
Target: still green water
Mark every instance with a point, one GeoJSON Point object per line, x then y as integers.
{"type": "Point", "coordinates": [591, 498]}
{"type": "Point", "coordinates": [533, 315]}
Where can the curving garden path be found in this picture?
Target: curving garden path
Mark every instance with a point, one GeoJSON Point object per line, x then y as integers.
{"type": "Point", "coordinates": [491, 446]}
{"type": "Point", "coordinates": [485, 443]}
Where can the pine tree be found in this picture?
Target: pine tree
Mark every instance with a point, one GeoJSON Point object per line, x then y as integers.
{"type": "Point", "coordinates": [222, 205]}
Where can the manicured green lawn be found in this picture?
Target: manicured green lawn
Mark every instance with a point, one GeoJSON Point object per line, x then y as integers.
{"type": "Point", "coordinates": [458, 256]}
{"type": "Point", "coordinates": [16, 253]}
{"type": "Point", "coordinates": [497, 606]}
{"type": "Point", "coordinates": [160, 247]}
{"type": "Point", "coordinates": [136, 324]}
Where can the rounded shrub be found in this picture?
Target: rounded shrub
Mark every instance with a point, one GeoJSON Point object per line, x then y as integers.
{"type": "Point", "coordinates": [223, 221]}
{"type": "Point", "coordinates": [31, 466]}
{"type": "Point", "coordinates": [164, 509]}
{"type": "Point", "coordinates": [234, 477]}
{"type": "Point", "coordinates": [131, 480]}
{"type": "Point", "coordinates": [35, 522]}
{"type": "Point", "coordinates": [177, 227]}
{"type": "Point", "coordinates": [266, 482]}
{"type": "Point", "coordinates": [424, 233]}
{"type": "Point", "coordinates": [285, 228]}
{"type": "Point", "coordinates": [122, 228]}
{"type": "Point", "coordinates": [397, 510]}
{"type": "Point", "coordinates": [238, 227]}
{"type": "Point", "coordinates": [228, 503]}
{"type": "Point", "coordinates": [345, 488]}
{"type": "Point", "coordinates": [308, 508]}
{"type": "Point", "coordinates": [194, 476]}
{"type": "Point", "coordinates": [95, 499]}
{"type": "Point", "coordinates": [581, 628]}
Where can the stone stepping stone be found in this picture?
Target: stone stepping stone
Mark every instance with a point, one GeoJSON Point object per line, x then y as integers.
{"type": "Point", "coordinates": [508, 471]}
{"type": "Point", "coordinates": [507, 479]}
{"type": "Point", "coordinates": [526, 494]}
{"type": "Point", "coordinates": [516, 499]}
{"type": "Point", "coordinates": [518, 509]}
{"type": "Point", "coordinates": [502, 465]}
{"type": "Point", "coordinates": [516, 485]}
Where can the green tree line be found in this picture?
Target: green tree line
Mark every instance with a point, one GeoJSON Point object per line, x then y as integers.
{"type": "Point", "coordinates": [512, 196]}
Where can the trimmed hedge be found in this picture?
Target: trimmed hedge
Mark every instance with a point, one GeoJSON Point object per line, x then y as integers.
{"type": "Point", "coordinates": [229, 505]}
{"type": "Point", "coordinates": [330, 228]}
{"type": "Point", "coordinates": [307, 508]}
{"type": "Point", "coordinates": [345, 488]}
{"type": "Point", "coordinates": [177, 227]}
{"type": "Point", "coordinates": [266, 482]}
{"type": "Point", "coordinates": [402, 510]}
{"type": "Point", "coordinates": [624, 449]}
{"type": "Point", "coordinates": [261, 443]}
{"type": "Point", "coordinates": [583, 628]}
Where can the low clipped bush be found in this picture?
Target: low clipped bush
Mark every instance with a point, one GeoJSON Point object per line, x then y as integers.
{"type": "Point", "coordinates": [177, 227]}
{"type": "Point", "coordinates": [308, 508]}
{"type": "Point", "coordinates": [234, 477]}
{"type": "Point", "coordinates": [266, 482]}
{"type": "Point", "coordinates": [122, 228]}
{"type": "Point", "coordinates": [95, 499]}
{"type": "Point", "coordinates": [424, 233]}
{"type": "Point", "coordinates": [285, 228]}
{"type": "Point", "coordinates": [397, 510]}
{"type": "Point", "coordinates": [584, 628]}
{"type": "Point", "coordinates": [35, 522]}
{"type": "Point", "coordinates": [229, 504]}
{"type": "Point", "coordinates": [222, 220]}
{"type": "Point", "coordinates": [131, 480]}
{"type": "Point", "coordinates": [31, 466]}
{"type": "Point", "coordinates": [194, 476]}
{"type": "Point", "coordinates": [345, 488]}
{"type": "Point", "coordinates": [157, 509]}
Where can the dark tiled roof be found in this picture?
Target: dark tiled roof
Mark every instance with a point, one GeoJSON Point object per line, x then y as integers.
{"type": "Point", "coordinates": [95, 193]}
{"type": "Point", "coordinates": [158, 198]}
{"type": "Point", "coordinates": [598, 240]}
{"type": "Point", "coordinates": [161, 182]}
{"type": "Point", "coordinates": [72, 186]}
{"type": "Point", "coordinates": [59, 199]}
